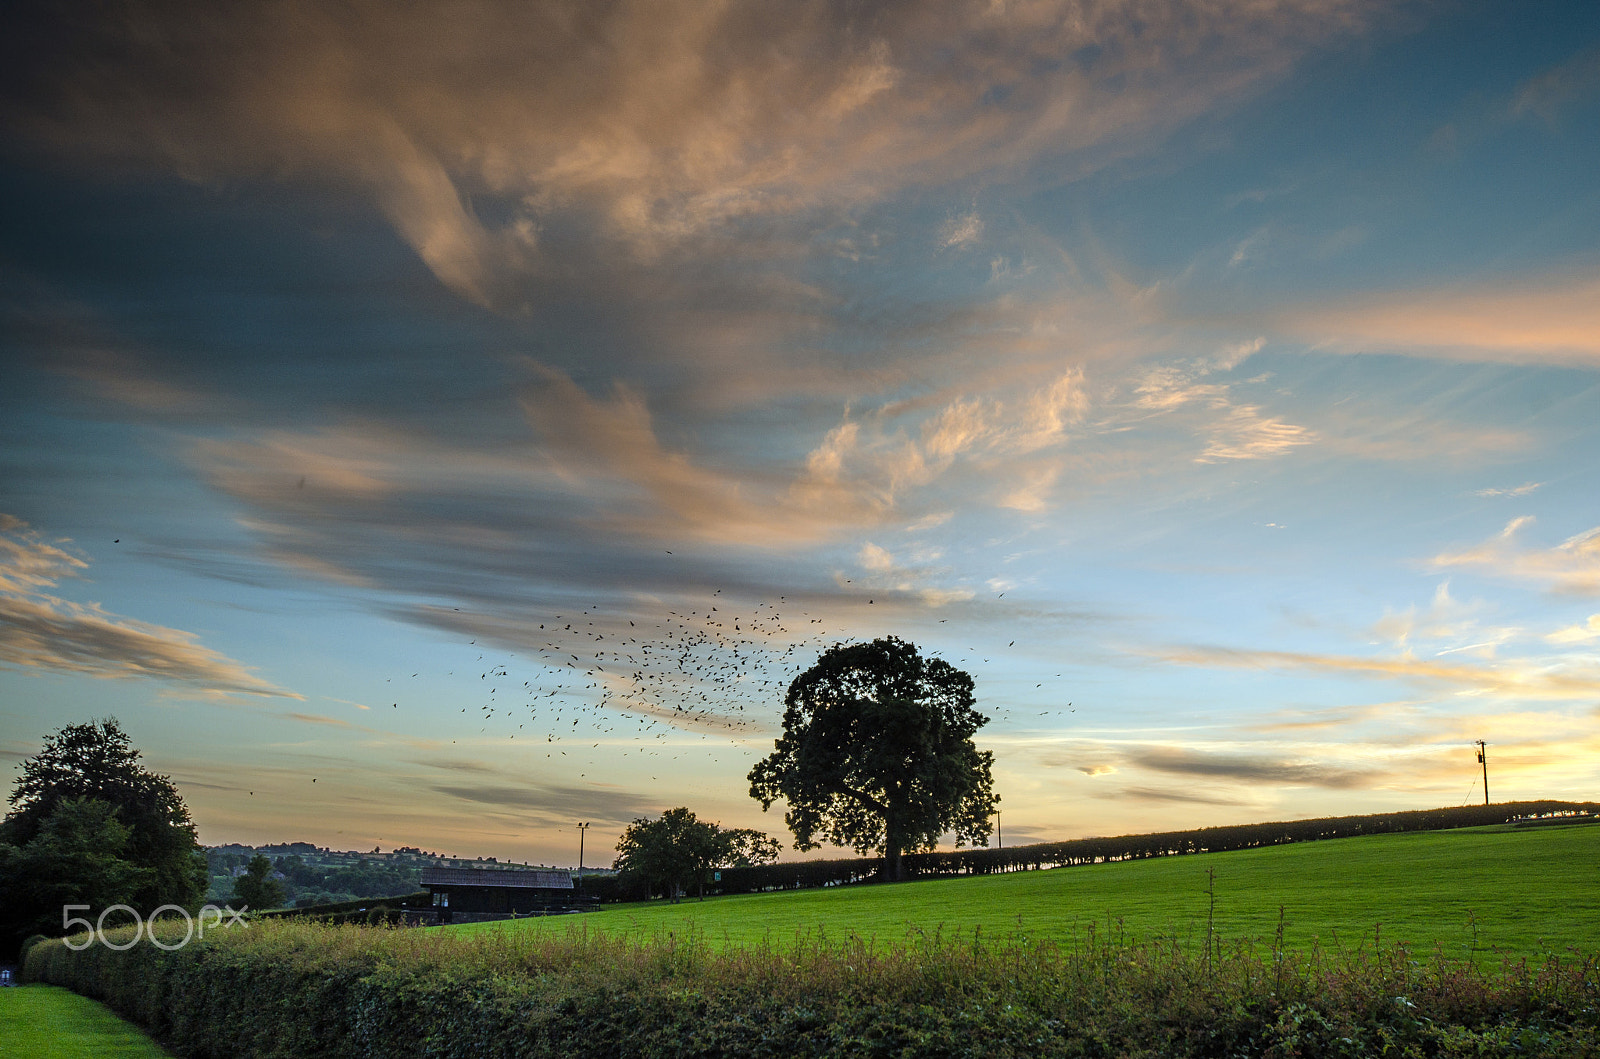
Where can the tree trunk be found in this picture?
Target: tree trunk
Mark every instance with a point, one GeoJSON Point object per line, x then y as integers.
{"type": "Point", "coordinates": [894, 868]}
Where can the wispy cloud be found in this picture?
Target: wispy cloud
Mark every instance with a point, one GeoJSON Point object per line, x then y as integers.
{"type": "Point", "coordinates": [1446, 626]}
{"type": "Point", "coordinates": [1259, 769]}
{"type": "Point", "coordinates": [1553, 319]}
{"type": "Point", "coordinates": [1576, 634]}
{"type": "Point", "coordinates": [552, 806]}
{"type": "Point", "coordinates": [1547, 94]}
{"type": "Point", "coordinates": [1231, 430]}
{"type": "Point", "coordinates": [961, 231]}
{"type": "Point", "coordinates": [1167, 795]}
{"type": "Point", "coordinates": [1526, 678]}
{"type": "Point", "coordinates": [1571, 567]}
{"type": "Point", "coordinates": [40, 631]}
{"type": "Point", "coordinates": [1245, 434]}
{"type": "Point", "coordinates": [1520, 490]}
{"type": "Point", "coordinates": [656, 123]}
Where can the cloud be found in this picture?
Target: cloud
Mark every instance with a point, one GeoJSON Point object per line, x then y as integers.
{"type": "Point", "coordinates": [1521, 490]}
{"type": "Point", "coordinates": [1574, 634]}
{"type": "Point", "coordinates": [1161, 795]}
{"type": "Point", "coordinates": [996, 437]}
{"type": "Point", "coordinates": [1445, 620]}
{"type": "Point", "coordinates": [918, 578]}
{"type": "Point", "coordinates": [476, 128]}
{"type": "Point", "coordinates": [1547, 94]}
{"type": "Point", "coordinates": [961, 231]}
{"type": "Point", "coordinates": [1523, 678]}
{"type": "Point", "coordinates": [1232, 431]}
{"type": "Point", "coordinates": [1242, 768]}
{"type": "Point", "coordinates": [1570, 568]}
{"type": "Point", "coordinates": [609, 450]}
{"type": "Point", "coordinates": [313, 718]}
{"type": "Point", "coordinates": [1245, 434]}
{"type": "Point", "coordinates": [558, 805]}
{"type": "Point", "coordinates": [1554, 319]}
{"type": "Point", "coordinates": [40, 631]}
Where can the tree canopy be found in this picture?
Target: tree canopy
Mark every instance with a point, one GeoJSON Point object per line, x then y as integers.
{"type": "Point", "coordinates": [679, 850]}
{"type": "Point", "coordinates": [78, 856]}
{"type": "Point", "coordinates": [95, 761]}
{"type": "Point", "coordinates": [877, 754]}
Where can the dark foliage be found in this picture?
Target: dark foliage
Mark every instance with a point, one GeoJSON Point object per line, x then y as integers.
{"type": "Point", "coordinates": [877, 754]}
{"type": "Point", "coordinates": [256, 889]}
{"type": "Point", "coordinates": [679, 850]}
{"type": "Point", "coordinates": [800, 874]}
{"type": "Point", "coordinates": [141, 823]}
{"type": "Point", "coordinates": [282, 990]}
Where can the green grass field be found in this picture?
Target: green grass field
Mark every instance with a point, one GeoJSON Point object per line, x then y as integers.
{"type": "Point", "coordinates": [48, 1022]}
{"type": "Point", "coordinates": [1479, 892]}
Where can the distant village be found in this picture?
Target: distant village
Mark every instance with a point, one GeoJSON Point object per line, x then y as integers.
{"type": "Point", "coordinates": [316, 875]}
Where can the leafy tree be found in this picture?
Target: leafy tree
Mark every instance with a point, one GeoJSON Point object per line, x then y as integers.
{"type": "Point", "coordinates": [256, 889]}
{"type": "Point", "coordinates": [680, 849]}
{"type": "Point", "coordinates": [77, 857]}
{"type": "Point", "coordinates": [742, 847]}
{"type": "Point", "coordinates": [877, 754]}
{"type": "Point", "coordinates": [95, 761]}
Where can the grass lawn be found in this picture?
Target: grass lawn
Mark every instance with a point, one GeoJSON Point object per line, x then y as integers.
{"type": "Point", "coordinates": [48, 1022]}
{"type": "Point", "coordinates": [1473, 891]}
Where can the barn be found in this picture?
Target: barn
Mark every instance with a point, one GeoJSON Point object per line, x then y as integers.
{"type": "Point", "coordinates": [465, 894]}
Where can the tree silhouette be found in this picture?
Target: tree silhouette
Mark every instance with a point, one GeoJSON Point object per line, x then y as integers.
{"type": "Point", "coordinates": [877, 754]}
{"type": "Point", "coordinates": [680, 849]}
{"type": "Point", "coordinates": [96, 761]}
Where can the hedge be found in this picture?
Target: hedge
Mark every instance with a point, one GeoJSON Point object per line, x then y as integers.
{"type": "Point", "coordinates": [285, 989]}
{"type": "Point", "coordinates": [983, 861]}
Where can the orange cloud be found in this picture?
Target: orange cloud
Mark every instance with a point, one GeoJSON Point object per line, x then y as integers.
{"type": "Point", "coordinates": [42, 631]}
{"type": "Point", "coordinates": [1571, 567]}
{"type": "Point", "coordinates": [1522, 678]}
{"type": "Point", "coordinates": [661, 122]}
{"type": "Point", "coordinates": [1556, 320]}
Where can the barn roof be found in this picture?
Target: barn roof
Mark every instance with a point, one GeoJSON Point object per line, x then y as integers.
{"type": "Point", "coordinates": [522, 880]}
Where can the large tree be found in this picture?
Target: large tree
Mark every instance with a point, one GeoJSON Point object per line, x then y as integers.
{"type": "Point", "coordinates": [877, 754]}
{"type": "Point", "coordinates": [96, 761]}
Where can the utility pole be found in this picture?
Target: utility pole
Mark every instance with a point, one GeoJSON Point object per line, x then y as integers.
{"type": "Point", "coordinates": [581, 829]}
{"type": "Point", "coordinates": [999, 834]}
{"type": "Point", "coordinates": [1483, 759]}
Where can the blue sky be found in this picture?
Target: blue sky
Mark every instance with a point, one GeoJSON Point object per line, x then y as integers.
{"type": "Point", "coordinates": [1216, 382]}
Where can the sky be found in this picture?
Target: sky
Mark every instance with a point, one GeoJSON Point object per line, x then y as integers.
{"type": "Point", "coordinates": [439, 425]}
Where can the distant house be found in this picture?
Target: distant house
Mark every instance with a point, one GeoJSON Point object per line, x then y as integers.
{"type": "Point", "coordinates": [470, 893]}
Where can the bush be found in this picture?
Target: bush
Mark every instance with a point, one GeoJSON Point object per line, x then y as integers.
{"type": "Point", "coordinates": [298, 989]}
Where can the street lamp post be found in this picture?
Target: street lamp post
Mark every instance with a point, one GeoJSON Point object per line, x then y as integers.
{"type": "Point", "coordinates": [581, 829]}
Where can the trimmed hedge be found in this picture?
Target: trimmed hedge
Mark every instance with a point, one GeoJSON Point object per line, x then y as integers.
{"type": "Point", "coordinates": [286, 989]}
{"type": "Point", "coordinates": [981, 861]}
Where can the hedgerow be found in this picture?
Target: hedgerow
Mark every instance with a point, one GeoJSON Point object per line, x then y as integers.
{"type": "Point", "coordinates": [985, 861]}
{"type": "Point", "coordinates": [306, 990]}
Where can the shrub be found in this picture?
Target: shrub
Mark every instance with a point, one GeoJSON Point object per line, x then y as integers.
{"type": "Point", "coordinates": [294, 988]}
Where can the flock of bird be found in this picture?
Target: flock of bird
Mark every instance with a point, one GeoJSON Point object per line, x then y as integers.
{"type": "Point", "coordinates": [594, 677]}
